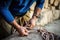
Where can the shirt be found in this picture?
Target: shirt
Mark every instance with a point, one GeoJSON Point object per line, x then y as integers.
{"type": "Point", "coordinates": [8, 8]}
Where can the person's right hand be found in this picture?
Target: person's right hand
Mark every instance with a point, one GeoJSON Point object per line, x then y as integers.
{"type": "Point", "coordinates": [22, 31]}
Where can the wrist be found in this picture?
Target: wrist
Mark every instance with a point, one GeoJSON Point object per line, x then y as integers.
{"type": "Point", "coordinates": [15, 24]}
{"type": "Point", "coordinates": [36, 13]}
{"type": "Point", "coordinates": [34, 18]}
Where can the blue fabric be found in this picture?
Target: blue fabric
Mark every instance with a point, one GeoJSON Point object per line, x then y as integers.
{"type": "Point", "coordinates": [16, 7]}
{"type": "Point", "coordinates": [6, 14]}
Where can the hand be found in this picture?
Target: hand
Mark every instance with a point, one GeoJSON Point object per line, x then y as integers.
{"type": "Point", "coordinates": [22, 31]}
{"type": "Point", "coordinates": [32, 23]}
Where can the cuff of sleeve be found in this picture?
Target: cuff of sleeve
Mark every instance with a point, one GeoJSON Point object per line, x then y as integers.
{"type": "Point", "coordinates": [40, 6]}
{"type": "Point", "coordinates": [11, 20]}
{"type": "Point", "coordinates": [40, 3]}
{"type": "Point", "coordinates": [7, 15]}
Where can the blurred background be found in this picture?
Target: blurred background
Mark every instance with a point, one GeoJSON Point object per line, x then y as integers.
{"type": "Point", "coordinates": [49, 18]}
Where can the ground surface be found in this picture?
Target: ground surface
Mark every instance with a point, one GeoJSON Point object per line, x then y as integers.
{"type": "Point", "coordinates": [53, 27]}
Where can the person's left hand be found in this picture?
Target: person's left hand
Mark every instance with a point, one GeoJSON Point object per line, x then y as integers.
{"type": "Point", "coordinates": [32, 23]}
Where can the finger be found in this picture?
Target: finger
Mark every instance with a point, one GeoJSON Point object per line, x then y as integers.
{"type": "Point", "coordinates": [26, 30]}
{"type": "Point", "coordinates": [25, 33]}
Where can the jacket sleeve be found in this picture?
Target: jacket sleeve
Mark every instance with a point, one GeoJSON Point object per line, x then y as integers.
{"type": "Point", "coordinates": [40, 3]}
{"type": "Point", "coordinates": [6, 14]}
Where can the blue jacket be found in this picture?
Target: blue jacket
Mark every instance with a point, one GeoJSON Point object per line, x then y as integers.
{"type": "Point", "coordinates": [8, 8]}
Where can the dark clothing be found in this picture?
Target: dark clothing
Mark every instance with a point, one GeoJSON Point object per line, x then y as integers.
{"type": "Point", "coordinates": [8, 8]}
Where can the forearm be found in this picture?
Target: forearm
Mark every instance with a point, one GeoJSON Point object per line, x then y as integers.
{"type": "Point", "coordinates": [37, 12]}
{"type": "Point", "coordinates": [34, 17]}
{"type": "Point", "coordinates": [39, 7]}
{"type": "Point", "coordinates": [15, 24]}
{"type": "Point", "coordinates": [9, 17]}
